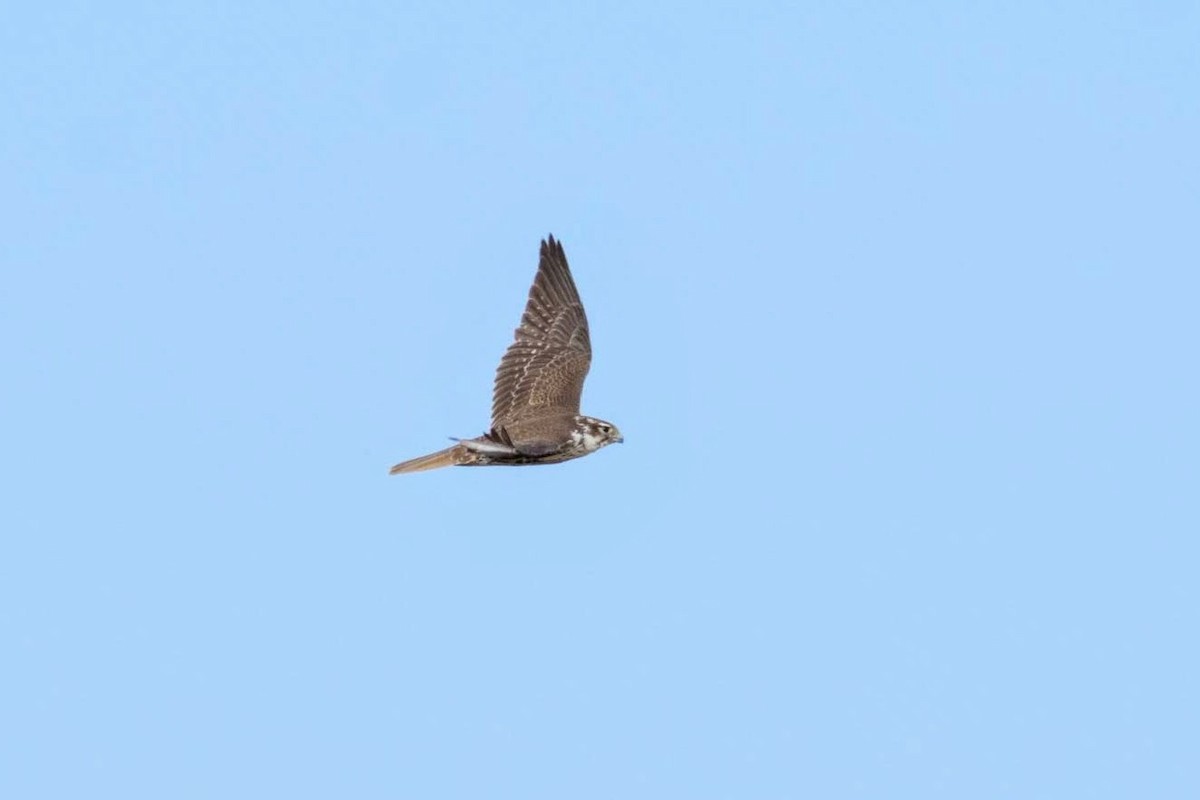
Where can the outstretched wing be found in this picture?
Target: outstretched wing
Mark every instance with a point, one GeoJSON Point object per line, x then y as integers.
{"type": "Point", "coordinates": [545, 367]}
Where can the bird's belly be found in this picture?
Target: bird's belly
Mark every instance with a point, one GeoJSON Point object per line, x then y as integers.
{"type": "Point", "coordinates": [518, 460]}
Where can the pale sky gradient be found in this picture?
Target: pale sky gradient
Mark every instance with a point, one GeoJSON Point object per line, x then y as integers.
{"type": "Point", "coordinates": [896, 305]}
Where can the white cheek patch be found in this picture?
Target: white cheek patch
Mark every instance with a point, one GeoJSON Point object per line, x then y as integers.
{"type": "Point", "coordinates": [591, 441]}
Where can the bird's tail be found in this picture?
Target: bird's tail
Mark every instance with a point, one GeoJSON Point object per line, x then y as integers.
{"type": "Point", "coordinates": [449, 457]}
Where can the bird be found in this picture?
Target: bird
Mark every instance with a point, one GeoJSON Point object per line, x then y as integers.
{"type": "Point", "coordinates": [535, 399]}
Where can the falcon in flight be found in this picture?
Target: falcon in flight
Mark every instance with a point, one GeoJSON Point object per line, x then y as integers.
{"type": "Point", "coordinates": [535, 403]}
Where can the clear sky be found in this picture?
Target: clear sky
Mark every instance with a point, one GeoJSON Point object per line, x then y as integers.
{"type": "Point", "coordinates": [895, 304]}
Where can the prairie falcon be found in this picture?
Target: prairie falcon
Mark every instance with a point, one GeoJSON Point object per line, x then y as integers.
{"type": "Point", "coordinates": [535, 403]}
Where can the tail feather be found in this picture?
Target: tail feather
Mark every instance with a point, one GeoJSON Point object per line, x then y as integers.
{"type": "Point", "coordinates": [449, 457]}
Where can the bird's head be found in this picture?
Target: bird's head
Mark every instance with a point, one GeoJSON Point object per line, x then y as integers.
{"type": "Point", "coordinates": [596, 433]}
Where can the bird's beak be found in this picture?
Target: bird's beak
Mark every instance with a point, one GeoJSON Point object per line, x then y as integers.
{"type": "Point", "coordinates": [620, 439]}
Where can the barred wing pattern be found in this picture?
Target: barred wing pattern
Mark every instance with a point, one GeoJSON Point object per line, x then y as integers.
{"type": "Point", "coordinates": [544, 368]}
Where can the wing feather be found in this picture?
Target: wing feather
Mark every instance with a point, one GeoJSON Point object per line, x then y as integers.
{"type": "Point", "coordinates": [545, 366]}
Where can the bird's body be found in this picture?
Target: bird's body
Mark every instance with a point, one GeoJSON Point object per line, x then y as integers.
{"type": "Point", "coordinates": [535, 404]}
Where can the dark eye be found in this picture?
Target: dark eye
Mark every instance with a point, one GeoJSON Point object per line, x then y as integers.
{"type": "Point", "coordinates": [605, 428]}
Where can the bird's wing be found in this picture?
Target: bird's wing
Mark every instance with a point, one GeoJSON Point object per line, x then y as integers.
{"type": "Point", "coordinates": [544, 368]}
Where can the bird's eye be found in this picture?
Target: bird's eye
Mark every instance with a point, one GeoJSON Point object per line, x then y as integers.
{"type": "Point", "coordinates": [606, 429]}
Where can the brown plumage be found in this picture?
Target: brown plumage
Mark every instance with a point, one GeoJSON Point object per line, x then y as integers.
{"type": "Point", "coordinates": [535, 402]}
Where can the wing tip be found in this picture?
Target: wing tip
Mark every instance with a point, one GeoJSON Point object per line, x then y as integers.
{"type": "Point", "coordinates": [554, 273]}
{"type": "Point", "coordinates": [552, 247]}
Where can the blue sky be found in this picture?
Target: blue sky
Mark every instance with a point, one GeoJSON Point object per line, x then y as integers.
{"type": "Point", "coordinates": [895, 304]}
